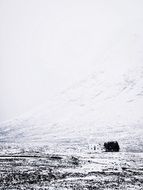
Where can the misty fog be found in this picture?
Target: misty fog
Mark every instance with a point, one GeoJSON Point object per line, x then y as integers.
{"type": "Point", "coordinates": [47, 45]}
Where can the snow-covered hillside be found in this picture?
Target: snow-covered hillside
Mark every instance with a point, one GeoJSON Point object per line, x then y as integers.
{"type": "Point", "coordinates": [107, 105]}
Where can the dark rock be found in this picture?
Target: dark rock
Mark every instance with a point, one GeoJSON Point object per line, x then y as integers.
{"type": "Point", "coordinates": [74, 160]}
{"type": "Point", "coordinates": [56, 158]}
{"type": "Point", "coordinates": [111, 146]}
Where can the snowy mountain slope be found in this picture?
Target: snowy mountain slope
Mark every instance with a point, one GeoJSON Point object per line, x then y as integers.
{"type": "Point", "coordinates": [107, 105]}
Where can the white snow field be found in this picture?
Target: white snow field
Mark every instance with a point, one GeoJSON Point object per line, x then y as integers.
{"type": "Point", "coordinates": [107, 105]}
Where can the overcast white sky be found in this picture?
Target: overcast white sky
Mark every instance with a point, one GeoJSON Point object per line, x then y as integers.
{"type": "Point", "coordinates": [46, 45]}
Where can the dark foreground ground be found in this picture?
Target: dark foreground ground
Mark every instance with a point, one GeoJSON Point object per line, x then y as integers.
{"type": "Point", "coordinates": [36, 169]}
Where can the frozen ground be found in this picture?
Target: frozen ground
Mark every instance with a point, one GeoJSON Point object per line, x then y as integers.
{"type": "Point", "coordinates": [36, 168]}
